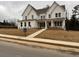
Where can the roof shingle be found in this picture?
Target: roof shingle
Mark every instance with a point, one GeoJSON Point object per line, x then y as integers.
{"type": "Point", "coordinates": [41, 11]}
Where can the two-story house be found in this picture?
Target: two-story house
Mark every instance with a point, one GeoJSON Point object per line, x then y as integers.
{"type": "Point", "coordinates": [48, 17]}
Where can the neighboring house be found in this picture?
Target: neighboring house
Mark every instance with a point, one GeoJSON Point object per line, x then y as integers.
{"type": "Point", "coordinates": [49, 17]}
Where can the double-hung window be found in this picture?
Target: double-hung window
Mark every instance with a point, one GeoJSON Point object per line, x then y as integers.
{"type": "Point", "coordinates": [57, 14]}
{"type": "Point", "coordinates": [25, 24]}
{"type": "Point", "coordinates": [21, 24]}
{"type": "Point", "coordinates": [49, 16]}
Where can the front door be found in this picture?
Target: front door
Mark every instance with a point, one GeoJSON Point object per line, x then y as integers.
{"type": "Point", "coordinates": [42, 25]}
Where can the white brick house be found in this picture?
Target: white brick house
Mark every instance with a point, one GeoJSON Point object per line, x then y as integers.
{"type": "Point", "coordinates": [49, 17]}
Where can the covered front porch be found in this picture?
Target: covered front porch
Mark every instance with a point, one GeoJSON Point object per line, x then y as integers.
{"type": "Point", "coordinates": [51, 24]}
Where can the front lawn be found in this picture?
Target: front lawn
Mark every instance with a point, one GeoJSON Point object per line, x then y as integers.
{"type": "Point", "coordinates": [17, 32]}
{"type": "Point", "coordinates": [60, 35]}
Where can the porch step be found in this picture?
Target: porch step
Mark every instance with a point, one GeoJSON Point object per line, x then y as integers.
{"type": "Point", "coordinates": [36, 33]}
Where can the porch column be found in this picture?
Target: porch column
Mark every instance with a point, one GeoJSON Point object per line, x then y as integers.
{"type": "Point", "coordinates": [63, 25]}
{"type": "Point", "coordinates": [45, 24]}
{"type": "Point", "coordinates": [52, 23]}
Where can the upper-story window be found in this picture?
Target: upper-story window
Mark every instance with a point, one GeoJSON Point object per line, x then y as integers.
{"type": "Point", "coordinates": [49, 16]}
{"type": "Point", "coordinates": [56, 15]}
{"type": "Point", "coordinates": [41, 17]}
{"type": "Point", "coordinates": [59, 14]}
{"type": "Point", "coordinates": [32, 16]}
{"type": "Point", "coordinates": [25, 17]}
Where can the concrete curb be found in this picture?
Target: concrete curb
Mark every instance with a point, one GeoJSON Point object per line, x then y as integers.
{"type": "Point", "coordinates": [41, 45]}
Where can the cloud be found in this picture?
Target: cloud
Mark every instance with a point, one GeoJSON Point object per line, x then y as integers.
{"type": "Point", "coordinates": [3, 10]}
{"type": "Point", "coordinates": [14, 9]}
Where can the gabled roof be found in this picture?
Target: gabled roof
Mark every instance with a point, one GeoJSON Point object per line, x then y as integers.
{"type": "Point", "coordinates": [63, 6]}
{"type": "Point", "coordinates": [59, 5]}
{"type": "Point", "coordinates": [32, 7]}
{"type": "Point", "coordinates": [27, 7]}
{"type": "Point", "coordinates": [43, 10]}
{"type": "Point", "coordinates": [38, 11]}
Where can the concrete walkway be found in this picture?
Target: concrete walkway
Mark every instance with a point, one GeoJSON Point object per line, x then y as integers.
{"type": "Point", "coordinates": [57, 42]}
{"type": "Point", "coordinates": [12, 36]}
{"type": "Point", "coordinates": [36, 33]}
{"type": "Point", "coordinates": [48, 41]}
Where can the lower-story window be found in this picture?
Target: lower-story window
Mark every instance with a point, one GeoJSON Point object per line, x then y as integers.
{"type": "Point", "coordinates": [61, 23]}
{"type": "Point", "coordinates": [29, 24]}
{"type": "Point", "coordinates": [58, 23]}
{"type": "Point", "coordinates": [55, 23]}
{"type": "Point", "coordinates": [21, 24]}
{"type": "Point", "coordinates": [25, 24]}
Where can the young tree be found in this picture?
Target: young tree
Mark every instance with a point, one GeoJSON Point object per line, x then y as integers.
{"type": "Point", "coordinates": [74, 21]}
{"type": "Point", "coordinates": [75, 12]}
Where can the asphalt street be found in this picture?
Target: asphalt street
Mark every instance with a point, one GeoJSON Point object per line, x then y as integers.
{"type": "Point", "coordinates": [8, 49]}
